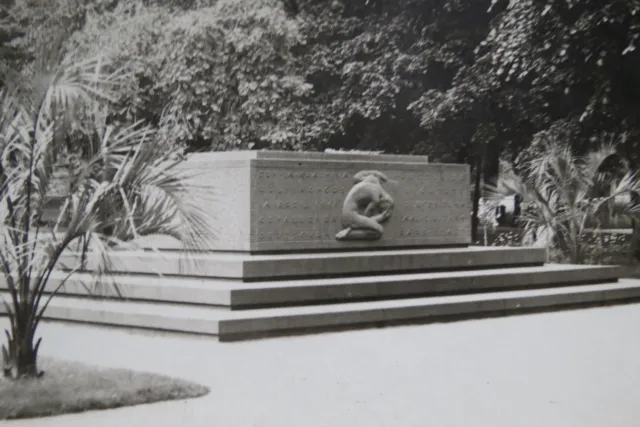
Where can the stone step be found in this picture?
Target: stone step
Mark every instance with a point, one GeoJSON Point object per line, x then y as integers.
{"type": "Point", "coordinates": [278, 266]}
{"type": "Point", "coordinates": [246, 324]}
{"type": "Point", "coordinates": [242, 295]}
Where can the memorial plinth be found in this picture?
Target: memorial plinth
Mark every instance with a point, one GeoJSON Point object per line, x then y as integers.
{"type": "Point", "coordinates": [270, 201]}
{"type": "Point", "coordinates": [309, 242]}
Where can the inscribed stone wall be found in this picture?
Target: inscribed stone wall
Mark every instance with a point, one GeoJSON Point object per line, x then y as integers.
{"type": "Point", "coordinates": [299, 205]}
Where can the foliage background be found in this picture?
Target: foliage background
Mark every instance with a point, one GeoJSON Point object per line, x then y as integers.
{"type": "Point", "coordinates": [469, 81]}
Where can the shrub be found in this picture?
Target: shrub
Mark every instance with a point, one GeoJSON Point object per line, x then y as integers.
{"type": "Point", "coordinates": [563, 192]}
{"type": "Point", "coordinates": [128, 188]}
{"type": "Point", "coordinates": [218, 77]}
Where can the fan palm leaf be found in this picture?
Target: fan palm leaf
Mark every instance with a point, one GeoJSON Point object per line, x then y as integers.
{"type": "Point", "coordinates": [129, 188]}
{"type": "Point", "coordinates": [566, 191]}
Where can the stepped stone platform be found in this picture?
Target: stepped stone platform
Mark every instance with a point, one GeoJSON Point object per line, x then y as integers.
{"type": "Point", "coordinates": [247, 266]}
{"type": "Point", "coordinates": [315, 242]}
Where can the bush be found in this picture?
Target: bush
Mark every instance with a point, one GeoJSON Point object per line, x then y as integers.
{"type": "Point", "coordinates": [606, 247]}
{"type": "Point", "coordinates": [499, 236]}
{"type": "Point", "coordinates": [130, 186]}
{"type": "Point", "coordinates": [219, 77]}
{"type": "Point", "coordinates": [563, 193]}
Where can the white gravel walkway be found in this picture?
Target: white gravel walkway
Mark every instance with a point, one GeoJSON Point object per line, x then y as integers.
{"type": "Point", "coordinates": [567, 369]}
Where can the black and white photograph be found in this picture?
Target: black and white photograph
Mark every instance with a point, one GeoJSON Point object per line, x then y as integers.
{"type": "Point", "coordinates": [320, 213]}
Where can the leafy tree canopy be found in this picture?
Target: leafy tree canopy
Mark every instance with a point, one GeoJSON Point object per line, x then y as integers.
{"type": "Point", "coordinates": [563, 67]}
{"type": "Point", "coordinates": [220, 76]}
{"type": "Point", "coordinates": [451, 78]}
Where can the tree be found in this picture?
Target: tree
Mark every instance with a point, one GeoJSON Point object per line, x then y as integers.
{"type": "Point", "coordinates": [370, 62]}
{"type": "Point", "coordinates": [572, 65]}
{"type": "Point", "coordinates": [11, 55]}
{"type": "Point", "coordinates": [304, 75]}
{"type": "Point", "coordinates": [419, 76]}
{"type": "Point", "coordinates": [219, 76]}
{"type": "Point", "coordinates": [130, 187]}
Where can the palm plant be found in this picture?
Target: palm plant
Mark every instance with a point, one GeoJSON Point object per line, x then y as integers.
{"type": "Point", "coordinates": [563, 192]}
{"type": "Point", "coordinates": [130, 187]}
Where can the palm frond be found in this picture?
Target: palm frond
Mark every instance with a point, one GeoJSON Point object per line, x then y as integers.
{"type": "Point", "coordinates": [566, 191]}
{"type": "Point", "coordinates": [596, 159]}
{"type": "Point", "coordinates": [133, 185]}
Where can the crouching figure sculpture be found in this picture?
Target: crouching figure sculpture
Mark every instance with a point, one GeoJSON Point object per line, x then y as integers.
{"type": "Point", "coordinates": [366, 208]}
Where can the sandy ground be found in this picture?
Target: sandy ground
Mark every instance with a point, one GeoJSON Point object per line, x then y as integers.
{"type": "Point", "coordinates": [567, 369]}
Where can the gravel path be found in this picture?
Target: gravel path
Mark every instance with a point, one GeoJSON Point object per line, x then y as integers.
{"type": "Point", "coordinates": [567, 369]}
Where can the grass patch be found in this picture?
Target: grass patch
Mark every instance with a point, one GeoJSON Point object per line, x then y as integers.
{"type": "Point", "coordinates": [69, 387]}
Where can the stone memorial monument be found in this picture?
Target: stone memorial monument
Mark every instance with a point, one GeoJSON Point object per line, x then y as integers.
{"type": "Point", "coordinates": [315, 241]}
{"type": "Point", "coordinates": [282, 201]}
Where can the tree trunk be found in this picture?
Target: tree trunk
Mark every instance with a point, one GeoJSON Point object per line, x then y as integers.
{"type": "Point", "coordinates": [21, 357]}
{"type": "Point", "coordinates": [26, 363]}
{"type": "Point", "coordinates": [491, 163]}
{"type": "Point", "coordinates": [475, 221]}
{"type": "Point", "coordinates": [635, 239]}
